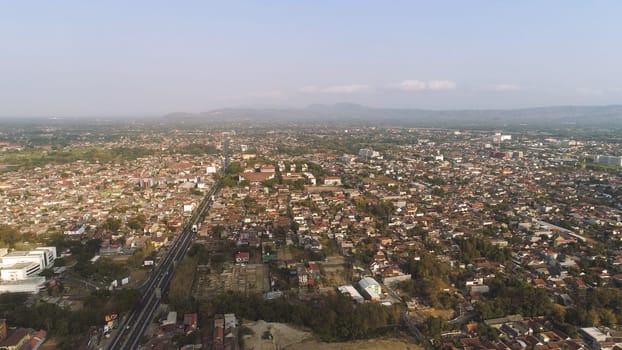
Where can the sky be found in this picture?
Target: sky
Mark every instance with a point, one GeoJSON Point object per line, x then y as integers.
{"type": "Point", "coordinates": [99, 58]}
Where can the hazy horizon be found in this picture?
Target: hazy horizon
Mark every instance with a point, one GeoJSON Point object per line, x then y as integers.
{"type": "Point", "coordinates": [150, 58]}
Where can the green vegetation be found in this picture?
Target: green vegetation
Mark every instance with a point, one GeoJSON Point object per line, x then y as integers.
{"type": "Point", "coordinates": [85, 251]}
{"type": "Point", "coordinates": [36, 157]}
{"type": "Point", "coordinates": [9, 236]}
{"type": "Point", "coordinates": [112, 224]}
{"type": "Point", "coordinates": [140, 255]}
{"type": "Point", "coordinates": [200, 252]}
{"type": "Point", "coordinates": [601, 306]}
{"type": "Point", "coordinates": [381, 210]}
{"type": "Point", "coordinates": [429, 279]}
{"type": "Point", "coordinates": [512, 296]}
{"type": "Point", "coordinates": [68, 325]}
{"type": "Point", "coordinates": [332, 317]}
{"type": "Point", "coordinates": [433, 327]}
{"type": "Point", "coordinates": [103, 268]}
{"type": "Point", "coordinates": [234, 168]}
{"type": "Point", "coordinates": [231, 174]}
{"type": "Point", "coordinates": [229, 181]}
{"type": "Point", "coordinates": [192, 338]}
{"type": "Point", "coordinates": [473, 248]}
{"type": "Point", "coordinates": [196, 149]}
{"type": "Point", "coordinates": [282, 149]}
{"type": "Point", "coordinates": [180, 290]}
{"type": "Point", "coordinates": [297, 185]}
{"type": "Point", "coordinates": [137, 222]}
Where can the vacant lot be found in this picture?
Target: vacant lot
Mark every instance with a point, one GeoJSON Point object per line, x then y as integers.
{"type": "Point", "coordinates": [287, 337]}
{"type": "Point", "coordinates": [335, 272]}
{"type": "Point", "coordinates": [252, 278]}
{"type": "Point", "coordinates": [356, 345]}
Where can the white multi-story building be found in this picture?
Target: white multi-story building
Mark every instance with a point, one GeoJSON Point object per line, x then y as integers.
{"type": "Point", "coordinates": [332, 180]}
{"type": "Point", "coordinates": [43, 256]}
{"type": "Point", "coordinates": [29, 285]}
{"type": "Point", "coordinates": [498, 137]}
{"type": "Point", "coordinates": [368, 153]}
{"type": "Point", "coordinates": [19, 270]}
{"type": "Point", "coordinates": [50, 254]}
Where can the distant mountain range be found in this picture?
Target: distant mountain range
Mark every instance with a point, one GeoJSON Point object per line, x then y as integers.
{"type": "Point", "coordinates": [580, 116]}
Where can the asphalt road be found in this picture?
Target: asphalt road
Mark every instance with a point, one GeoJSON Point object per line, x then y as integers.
{"type": "Point", "coordinates": [132, 328]}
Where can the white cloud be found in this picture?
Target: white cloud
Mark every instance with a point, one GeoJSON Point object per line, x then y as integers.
{"type": "Point", "coordinates": [441, 85]}
{"type": "Point", "coordinates": [506, 87]}
{"type": "Point", "coordinates": [346, 89]}
{"type": "Point", "coordinates": [420, 85]}
{"type": "Point", "coordinates": [413, 85]}
{"type": "Point", "coordinates": [336, 89]}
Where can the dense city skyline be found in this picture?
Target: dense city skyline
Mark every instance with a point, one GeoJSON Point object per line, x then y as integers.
{"type": "Point", "coordinates": [150, 58]}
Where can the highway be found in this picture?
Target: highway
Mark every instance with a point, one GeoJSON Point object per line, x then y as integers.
{"type": "Point", "coordinates": [131, 329]}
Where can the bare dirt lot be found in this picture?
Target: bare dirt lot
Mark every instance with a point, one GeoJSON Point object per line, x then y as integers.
{"type": "Point", "coordinates": [283, 336]}
{"type": "Point", "coordinates": [356, 345]}
{"type": "Point", "coordinates": [251, 278]}
{"type": "Point", "coordinates": [335, 272]}
{"type": "Point", "coordinates": [445, 314]}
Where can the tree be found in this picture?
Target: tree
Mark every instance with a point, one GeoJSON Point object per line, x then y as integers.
{"type": "Point", "coordinates": [218, 230]}
{"type": "Point", "coordinates": [557, 312]}
{"type": "Point", "coordinates": [298, 185]}
{"type": "Point", "coordinates": [331, 317]}
{"type": "Point", "coordinates": [294, 226]}
{"type": "Point", "coordinates": [8, 236]}
{"type": "Point", "coordinates": [511, 296]}
{"type": "Point", "coordinates": [487, 332]}
{"type": "Point", "coordinates": [200, 253]}
{"type": "Point", "coordinates": [112, 224]}
{"type": "Point", "coordinates": [180, 290]}
{"type": "Point", "coordinates": [234, 168]}
{"type": "Point", "coordinates": [229, 181]}
{"type": "Point", "coordinates": [47, 273]}
{"type": "Point", "coordinates": [608, 318]}
{"type": "Point", "coordinates": [593, 318]}
{"type": "Point", "coordinates": [124, 299]}
{"type": "Point", "coordinates": [137, 222]}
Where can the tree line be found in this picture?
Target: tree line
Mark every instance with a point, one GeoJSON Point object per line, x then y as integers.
{"type": "Point", "coordinates": [330, 317]}
{"type": "Point", "coordinates": [509, 295]}
{"type": "Point", "coordinates": [70, 326]}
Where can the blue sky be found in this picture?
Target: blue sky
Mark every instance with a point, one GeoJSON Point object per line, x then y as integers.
{"type": "Point", "coordinates": [87, 58]}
